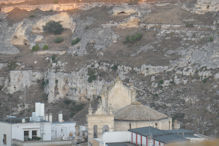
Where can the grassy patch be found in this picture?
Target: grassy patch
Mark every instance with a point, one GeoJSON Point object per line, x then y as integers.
{"type": "Point", "coordinates": [35, 48]}
{"type": "Point", "coordinates": [32, 16]}
{"type": "Point", "coordinates": [45, 47]}
{"type": "Point", "coordinates": [58, 40]}
{"type": "Point", "coordinates": [189, 25]}
{"type": "Point", "coordinates": [133, 38]}
{"type": "Point", "coordinates": [161, 82]}
{"type": "Point", "coordinates": [75, 41]}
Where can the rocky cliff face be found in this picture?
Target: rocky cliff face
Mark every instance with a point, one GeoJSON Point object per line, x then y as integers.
{"type": "Point", "coordinates": [167, 50]}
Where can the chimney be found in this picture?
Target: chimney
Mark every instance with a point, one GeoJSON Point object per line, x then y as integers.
{"type": "Point", "coordinates": [60, 117]}
{"type": "Point", "coordinates": [23, 120]}
{"type": "Point", "coordinates": [47, 117]}
{"type": "Point", "coordinates": [50, 117]}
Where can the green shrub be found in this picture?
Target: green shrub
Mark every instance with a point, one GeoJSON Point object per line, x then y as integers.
{"type": "Point", "coordinates": [35, 48]}
{"type": "Point", "coordinates": [92, 78]}
{"type": "Point", "coordinates": [75, 41]}
{"type": "Point", "coordinates": [45, 83]}
{"type": "Point", "coordinates": [53, 58]}
{"type": "Point", "coordinates": [114, 67]}
{"type": "Point", "coordinates": [53, 27]}
{"type": "Point", "coordinates": [45, 47]}
{"type": "Point", "coordinates": [32, 16]}
{"type": "Point", "coordinates": [12, 65]}
{"type": "Point", "coordinates": [58, 40]}
{"type": "Point", "coordinates": [133, 38]}
{"type": "Point", "coordinates": [67, 101]}
{"type": "Point", "coordinates": [211, 39]}
{"type": "Point", "coordinates": [75, 108]}
{"type": "Point", "coordinates": [161, 82]}
{"type": "Point", "coordinates": [189, 25]}
{"type": "Point", "coordinates": [204, 80]}
{"type": "Point", "coordinates": [90, 71]}
{"type": "Point", "coordinates": [91, 75]}
{"type": "Point", "coordinates": [36, 138]}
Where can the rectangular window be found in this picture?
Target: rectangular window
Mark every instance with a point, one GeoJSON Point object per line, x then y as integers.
{"type": "Point", "coordinates": [34, 134]}
{"type": "Point", "coordinates": [4, 139]}
{"type": "Point", "coordinates": [26, 135]}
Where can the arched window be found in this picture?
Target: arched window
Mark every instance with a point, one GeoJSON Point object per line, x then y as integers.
{"type": "Point", "coordinates": [105, 128]}
{"type": "Point", "coordinates": [95, 131]}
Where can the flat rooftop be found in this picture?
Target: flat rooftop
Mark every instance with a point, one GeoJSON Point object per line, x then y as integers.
{"type": "Point", "coordinates": [120, 144]}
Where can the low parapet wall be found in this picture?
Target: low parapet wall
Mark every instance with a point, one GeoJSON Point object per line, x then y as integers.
{"type": "Point", "coordinates": [43, 143]}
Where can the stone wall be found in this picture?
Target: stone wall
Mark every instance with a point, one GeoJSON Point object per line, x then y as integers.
{"type": "Point", "coordinates": [165, 124]}
{"type": "Point", "coordinates": [100, 121]}
{"type": "Point", "coordinates": [118, 96]}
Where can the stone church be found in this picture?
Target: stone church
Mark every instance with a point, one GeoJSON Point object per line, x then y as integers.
{"type": "Point", "coordinates": [118, 110]}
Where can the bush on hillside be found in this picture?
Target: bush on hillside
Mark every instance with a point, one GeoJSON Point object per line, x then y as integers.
{"type": "Point", "coordinates": [58, 40]}
{"type": "Point", "coordinates": [75, 41]}
{"type": "Point", "coordinates": [36, 48]}
{"type": "Point", "coordinates": [45, 47]}
{"type": "Point", "coordinates": [133, 38]}
{"type": "Point", "coordinates": [91, 75]}
{"type": "Point", "coordinates": [53, 27]}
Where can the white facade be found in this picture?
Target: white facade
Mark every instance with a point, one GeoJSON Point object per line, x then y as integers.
{"type": "Point", "coordinates": [63, 131]}
{"type": "Point", "coordinates": [127, 137]}
{"type": "Point", "coordinates": [37, 128]}
{"type": "Point", "coordinates": [116, 137]}
{"type": "Point", "coordinates": [43, 130]}
{"type": "Point", "coordinates": [5, 134]}
{"type": "Point", "coordinates": [47, 131]}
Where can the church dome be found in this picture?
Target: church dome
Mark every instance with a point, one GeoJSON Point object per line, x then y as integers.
{"type": "Point", "coordinates": [138, 112]}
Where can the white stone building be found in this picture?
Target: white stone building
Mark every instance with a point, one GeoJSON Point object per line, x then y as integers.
{"type": "Point", "coordinates": [38, 128]}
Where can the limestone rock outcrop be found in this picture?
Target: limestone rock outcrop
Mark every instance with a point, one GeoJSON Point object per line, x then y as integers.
{"type": "Point", "coordinates": [6, 34]}
{"type": "Point", "coordinates": [19, 80]}
{"type": "Point", "coordinates": [132, 22]}
{"type": "Point", "coordinates": [123, 10]}
{"type": "Point", "coordinates": [204, 6]}
{"type": "Point", "coordinates": [71, 85]}
{"type": "Point", "coordinates": [19, 37]}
